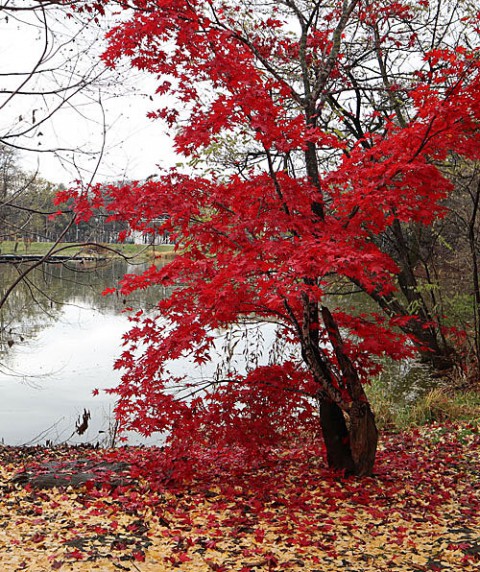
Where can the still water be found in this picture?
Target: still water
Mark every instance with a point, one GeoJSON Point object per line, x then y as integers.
{"type": "Point", "coordinates": [59, 338]}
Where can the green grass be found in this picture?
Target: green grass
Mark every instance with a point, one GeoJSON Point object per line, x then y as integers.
{"type": "Point", "coordinates": [130, 250]}
{"type": "Point", "coordinates": [40, 248]}
{"type": "Point", "coordinates": [439, 404]}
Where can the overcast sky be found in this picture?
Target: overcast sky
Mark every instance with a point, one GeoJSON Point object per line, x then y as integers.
{"type": "Point", "coordinates": [134, 145]}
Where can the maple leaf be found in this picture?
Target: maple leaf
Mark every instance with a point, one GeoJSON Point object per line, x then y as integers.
{"type": "Point", "coordinates": [304, 512]}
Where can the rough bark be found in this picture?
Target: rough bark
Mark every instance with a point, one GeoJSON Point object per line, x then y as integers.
{"type": "Point", "coordinates": [336, 437]}
{"type": "Point", "coordinates": [363, 438]}
{"type": "Point", "coordinates": [362, 435]}
{"type": "Point", "coordinates": [350, 448]}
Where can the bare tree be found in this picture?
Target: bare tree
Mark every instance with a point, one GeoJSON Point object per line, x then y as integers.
{"type": "Point", "coordinates": [52, 75]}
{"type": "Point", "coordinates": [53, 85]}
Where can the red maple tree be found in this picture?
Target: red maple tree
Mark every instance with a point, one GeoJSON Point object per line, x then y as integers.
{"type": "Point", "coordinates": [306, 148]}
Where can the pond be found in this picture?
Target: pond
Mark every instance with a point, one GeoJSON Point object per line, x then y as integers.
{"type": "Point", "coordinates": [59, 338]}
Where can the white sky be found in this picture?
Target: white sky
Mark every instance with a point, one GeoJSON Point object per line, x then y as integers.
{"type": "Point", "coordinates": [134, 144]}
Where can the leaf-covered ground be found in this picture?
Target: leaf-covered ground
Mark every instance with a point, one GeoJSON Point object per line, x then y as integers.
{"type": "Point", "coordinates": [420, 512]}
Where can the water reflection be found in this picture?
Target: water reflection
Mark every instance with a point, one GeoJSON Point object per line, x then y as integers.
{"type": "Point", "coordinates": [406, 381]}
{"type": "Point", "coordinates": [59, 338]}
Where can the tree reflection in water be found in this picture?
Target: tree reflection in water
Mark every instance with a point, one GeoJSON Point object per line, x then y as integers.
{"type": "Point", "coordinates": [59, 338]}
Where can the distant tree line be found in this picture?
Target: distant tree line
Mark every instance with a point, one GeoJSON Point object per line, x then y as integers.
{"type": "Point", "coordinates": [28, 212]}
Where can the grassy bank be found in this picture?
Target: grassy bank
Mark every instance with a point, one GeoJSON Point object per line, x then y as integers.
{"type": "Point", "coordinates": [440, 404]}
{"type": "Point", "coordinates": [137, 251]}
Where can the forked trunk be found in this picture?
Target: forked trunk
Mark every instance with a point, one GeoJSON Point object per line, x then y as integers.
{"type": "Point", "coordinates": [351, 447]}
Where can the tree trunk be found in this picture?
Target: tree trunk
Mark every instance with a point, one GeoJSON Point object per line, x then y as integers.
{"type": "Point", "coordinates": [351, 448]}
{"type": "Point", "coordinates": [363, 438]}
{"type": "Point", "coordinates": [336, 437]}
{"type": "Point", "coordinates": [472, 241]}
{"type": "Point", "coordinates": [361, 435]}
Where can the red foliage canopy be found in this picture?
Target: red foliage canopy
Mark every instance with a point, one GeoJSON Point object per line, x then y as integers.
{"type": "Point", "coordinates": [299, 163]}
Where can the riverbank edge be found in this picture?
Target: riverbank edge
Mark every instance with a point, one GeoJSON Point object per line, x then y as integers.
{"type": "Point", "coordinates": [139, 252]}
